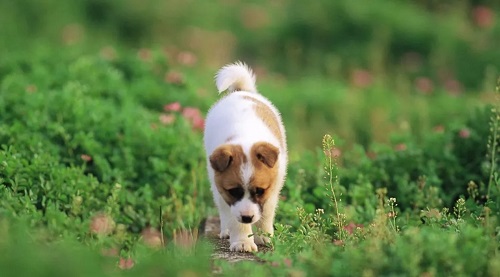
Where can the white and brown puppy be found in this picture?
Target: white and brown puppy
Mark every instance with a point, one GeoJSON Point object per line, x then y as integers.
{"type": "Point", "coordinates": [246, 158]}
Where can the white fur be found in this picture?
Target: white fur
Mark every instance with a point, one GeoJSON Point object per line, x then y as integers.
{"type": "Point", "coordinates": [233, 77]}
{"type": "Point", "coordinates": [234, 116]}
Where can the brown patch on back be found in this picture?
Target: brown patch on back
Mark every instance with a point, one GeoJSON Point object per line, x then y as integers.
{"type": "Point", "coordinates": [226, 161]}
{"type": "Point", "coordinates": [268, 117]}
{"type": "Point", "coordinates": [264, 157]}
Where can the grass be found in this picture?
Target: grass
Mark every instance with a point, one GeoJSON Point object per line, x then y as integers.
{"type": "Point", "coordinates": [493, 143]}
{"type": "Point", "coordinates": [101, 156]}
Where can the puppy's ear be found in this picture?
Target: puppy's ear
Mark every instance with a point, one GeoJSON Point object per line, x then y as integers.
{"type": "Point", "coordinates": [266, 153]}
{"type": "Point", "coordinates": [221, 158]}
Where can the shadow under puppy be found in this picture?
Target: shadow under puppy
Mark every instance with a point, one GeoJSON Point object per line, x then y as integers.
{"type": "Point", "coordinates": [247, 158]}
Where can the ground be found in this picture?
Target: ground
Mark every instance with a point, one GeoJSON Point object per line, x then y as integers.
{"type": "Point", "coordinates": [211, 230]}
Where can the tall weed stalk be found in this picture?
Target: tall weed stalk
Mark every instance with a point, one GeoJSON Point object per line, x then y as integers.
{"type": "Point", "coordinates": [331, 170]}
{"type": "Point", "coordinates": [493, 142]}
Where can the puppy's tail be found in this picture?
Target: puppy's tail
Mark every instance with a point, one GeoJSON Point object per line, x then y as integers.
{"type": "Point", "coordinates": [235, 77]}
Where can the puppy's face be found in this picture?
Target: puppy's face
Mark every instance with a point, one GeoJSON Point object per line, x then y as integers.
{"type": "Point", "coordinates": [245, 182]}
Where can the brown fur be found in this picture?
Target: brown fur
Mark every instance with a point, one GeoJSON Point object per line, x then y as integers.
{"type": "Point", "coordinates": [268, 117]}
{"type": "Point", "coordinates": [263, 156]}
{"type": "Point", "coordinates": [226, 161]}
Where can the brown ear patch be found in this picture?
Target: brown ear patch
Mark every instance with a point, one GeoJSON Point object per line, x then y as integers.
{"type": "Point", "coordinates": [268, 117]}
{"type": "Point", "coordinates": [266, 153]}
{"type": "Point", "coordinates": [264, 158]}
{"type": "Point", "coordinates": [226, 161]}
{"type": "Point", "coordinates": [222, 157]}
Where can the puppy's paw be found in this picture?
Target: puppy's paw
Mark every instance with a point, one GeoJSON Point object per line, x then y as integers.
{"type": "Point", "coordinates": [243, 246]}
{"type": "Point", "coordinates": [224, 234]}
{"type": "Point", "coordinates": [262, 240]}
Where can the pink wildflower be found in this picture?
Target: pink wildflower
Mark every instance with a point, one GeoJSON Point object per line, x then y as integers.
{"type": "Point", "coordinates": [199, 123]}
{"type": "Point", "coordinates": [438, 128]}
{"type": "Point", "coordinates": [127, 263]}
{"type": "Point", "coordinates": [152, 237]}
{"type": "Point", "coordinates": [424, 85]}
{"type": "Point", "coordinates": [102, 224]}
{"type": "Point", "coordinates": [453, 87]}
{"type": "Point", "coordinates": [371, 155]}
{"type": "Point", "coordinates": [172, 107]}
{"type": "Point", "coordinates": [72, 34]}
{"type": "Point", "coordinates": [400, 147]}
{"type": "Point", "coordinates": [338, 242]}
{"type": "Point", "coordinates": [144, 54]}
{"type": "Point", "coordinates": [194, 116]}
{"type": "Point", "coordinates": [351, 227]}
{"type": "Point", "coordinates": [31, 89]}
{"type": "Point", "coordinates": [167, 119]}
{"type": "Point", "coordinates": [108, 53]}
{"type": "Point", "coordinates": [483, 16]}
{"type": "Point", "coordinates": [86, 157]}
{"type": "Point", "coordinates": [191, 113]}
{"type": "Point", "coordinates": [361, 78]}
{"type": "Point", "coordinates": [187, 58]}
{"type": "Point", "coordinates": [464, 133]}
{"type": "Point", "coordinates": [174, 77]}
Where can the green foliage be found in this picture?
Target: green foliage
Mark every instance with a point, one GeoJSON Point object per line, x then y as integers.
{"type": "Point", "coordinates": [25, 255]}
{"type": "Point", "coordinates": [81, 141]}
{"type": "Point", "coordinates": [434, 171]}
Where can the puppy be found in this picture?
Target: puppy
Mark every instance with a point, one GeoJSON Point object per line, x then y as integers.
{"type": "Point", "coordinates": [246, 158]}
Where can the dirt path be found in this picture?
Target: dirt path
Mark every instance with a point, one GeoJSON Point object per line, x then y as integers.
{"type": "Point", "coordinates": [211, 230]}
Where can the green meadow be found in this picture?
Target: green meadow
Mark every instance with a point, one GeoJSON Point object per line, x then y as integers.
{"type": "Point", "coordinates": [392, 112]}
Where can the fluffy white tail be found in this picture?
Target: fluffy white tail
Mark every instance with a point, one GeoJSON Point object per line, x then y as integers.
{"type": "Point", "coordinates": [235, 77]}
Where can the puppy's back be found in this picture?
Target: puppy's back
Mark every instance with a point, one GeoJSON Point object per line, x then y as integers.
{"type": "Point", "coordinates": [243, 115]}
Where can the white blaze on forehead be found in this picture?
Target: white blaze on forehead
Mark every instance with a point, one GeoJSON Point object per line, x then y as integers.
{"type": "Point", "coordinates": [246, 173]}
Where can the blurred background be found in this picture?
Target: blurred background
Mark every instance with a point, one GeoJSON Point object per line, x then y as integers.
{"type": "Point", "coordinates": [361, 70]}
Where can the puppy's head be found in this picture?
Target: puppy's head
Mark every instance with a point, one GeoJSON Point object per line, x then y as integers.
{"type": "Point", "coordinates": [245, 181]}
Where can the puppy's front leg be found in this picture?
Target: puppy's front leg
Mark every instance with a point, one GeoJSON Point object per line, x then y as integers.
{"type": "Point", "coordinates": [225, 216]}
{"type": "Point", "coordinates": [265, 224]}
{"type": "Point", "coordinates": [240, 237]}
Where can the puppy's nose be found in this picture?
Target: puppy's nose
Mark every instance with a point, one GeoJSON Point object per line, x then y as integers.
{"type": "Point", "coordinates": [246, 218]}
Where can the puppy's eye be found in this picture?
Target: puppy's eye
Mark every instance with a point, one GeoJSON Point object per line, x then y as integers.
{"type": "Point", "coordinates": [259, 191]}
{"type": "Point", "coordinates": [236, 192]}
